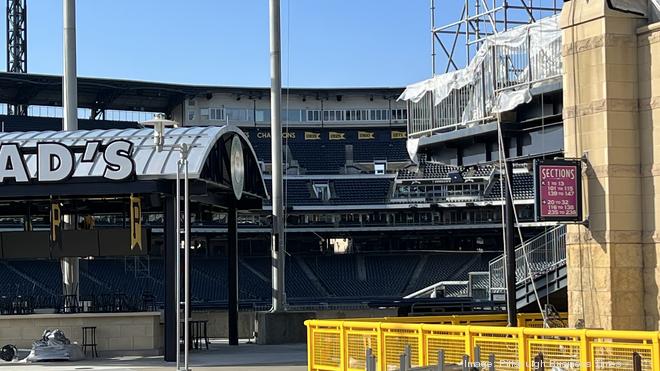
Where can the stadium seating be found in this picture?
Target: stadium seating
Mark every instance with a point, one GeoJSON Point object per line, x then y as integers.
{"type": "Point", "coordinates": [351, 277]}
{"type": "Point", "coordinates": [523, 188]}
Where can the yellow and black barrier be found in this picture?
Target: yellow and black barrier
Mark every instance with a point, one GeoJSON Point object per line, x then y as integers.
{"type": "Point", "coordinates": [341, 345]}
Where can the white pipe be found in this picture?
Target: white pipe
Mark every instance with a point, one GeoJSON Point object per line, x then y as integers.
{"type": "Point", "coordinates": [278, 243]}
{"type": "Point", "coordinates": [177, 246]}
{"type": "Point", "coordinates": [186, 255]}
{"type": "Point", "coordinates": [69, 80]}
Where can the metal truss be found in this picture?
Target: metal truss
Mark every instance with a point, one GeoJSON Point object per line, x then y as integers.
{"type": "Point", "coordinates": [17, 44]}
{"type": "Point", "coordinates": [458, 41]}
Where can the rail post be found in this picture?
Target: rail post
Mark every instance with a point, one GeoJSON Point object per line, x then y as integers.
{"type": "Point", "coordinates": [491, 362]}
{"type": "Point", "coordinates": [466, 362]}
{"type": "Point", "coordinates": [637, 361]}
{"type": "Point", "coordinates": [539, 365]}
{"type": "Point", "coordinates": [441, 360]}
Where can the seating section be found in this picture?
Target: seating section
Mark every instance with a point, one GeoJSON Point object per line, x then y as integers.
{"type": "Point", "coordinates": [316, 153]}
{"type": "Point", "coordinates": [436, 170]}
{"type": "Point", "coordinates": [34, 123]}
{"type": "Point", "coordinates": [309, 279]}
{"type": "Point", "coordinates": [349, 191]}
{"type": "Point", "coordinates": [523, 188]}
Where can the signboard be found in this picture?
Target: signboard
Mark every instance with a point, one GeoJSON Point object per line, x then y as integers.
{"type": "Point", "coordinates": [56, 162]}
{"type": "Point", "coordinates": [558, 187]}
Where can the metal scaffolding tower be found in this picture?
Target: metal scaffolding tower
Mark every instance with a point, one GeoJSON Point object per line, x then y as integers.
{"type": "Point", "coordinates": [17, 44]}
{"type": "Point", "coordinates": [458, 41]}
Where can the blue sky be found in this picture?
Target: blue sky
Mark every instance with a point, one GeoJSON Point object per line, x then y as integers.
{"type": "Point", "coordinates": [329, 43]}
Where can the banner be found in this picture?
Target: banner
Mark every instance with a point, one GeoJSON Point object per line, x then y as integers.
{"type": "Point", "coordinates": [399, 134]}
{"type": "Point", "coordinates": [333, 135]}
{"type": "Point", "coordinates": [136, 223]}
{"type": "Point", "coordinates": [365, 135]}
{"type": "Point", "coordinates": [312, 136]}
{"type": "Point", "coordinates": [55, 222]}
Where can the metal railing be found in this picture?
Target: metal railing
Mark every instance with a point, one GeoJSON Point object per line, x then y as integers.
{"type": "Point", "coordinates": [544, 252]}
{"type": "Point", "coordinates": [500, 68]}
{"type": "Point", "coordinates": [341, 345]}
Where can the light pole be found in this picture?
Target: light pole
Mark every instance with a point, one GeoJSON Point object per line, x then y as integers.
{"type": "Point", "coordinates": [159, 123]}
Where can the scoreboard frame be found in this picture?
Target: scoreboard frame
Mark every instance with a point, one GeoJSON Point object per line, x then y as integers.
{"type": "Point", "coordinates": [538, 198]}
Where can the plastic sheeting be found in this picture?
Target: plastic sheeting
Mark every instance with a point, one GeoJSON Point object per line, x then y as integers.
{"type": "Point", "coordinates": [54, 346]}
{"type": "Point", "coordinates": [542, 33]}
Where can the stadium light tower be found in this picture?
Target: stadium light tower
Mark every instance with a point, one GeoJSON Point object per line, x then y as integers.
{"type": "Point", "coordinates": [17, 45]}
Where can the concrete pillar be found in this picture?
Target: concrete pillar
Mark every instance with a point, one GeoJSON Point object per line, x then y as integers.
{"type": "Point", "coordinates": [605, 261]}
{"type": "Point", "coordinates": [649, 120]}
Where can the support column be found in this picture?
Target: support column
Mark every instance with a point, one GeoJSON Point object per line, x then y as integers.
{"type": "Point", "coordinates": [510, 249]}
{"type": "Point", "coordinates": [599, 54]}
{"type": "Point", "coordinates": [232, 273]}
{"type": "Point", "coordinates": [171, 249]}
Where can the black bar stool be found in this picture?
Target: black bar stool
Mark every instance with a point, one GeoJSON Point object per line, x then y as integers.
{"type": "Point", "coordinates": [89, 340]}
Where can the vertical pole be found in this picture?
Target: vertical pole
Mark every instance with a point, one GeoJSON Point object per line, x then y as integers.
{"type": "Point", "coordinates": [177, 271]}
{"type": "Point", "coordinates": [509, 249]}
{"type": "Point", "coordinates": [232, 272]}
{"type": "Point", "coordinates": [69, 83]}
{"type": "Point", "coordinates": [70, 266]}
{"type": "Point", "coordinates": [186, 257]}
{"type": "Point", "coordinates": [432, 40]}
{"type": "Point", "coordinates": [171, 281]}
{"type": "Point", "coordinates": [277, 246]}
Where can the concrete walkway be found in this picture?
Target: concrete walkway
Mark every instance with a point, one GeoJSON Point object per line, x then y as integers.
{"type": "Point", "coordinates": [245, 357]}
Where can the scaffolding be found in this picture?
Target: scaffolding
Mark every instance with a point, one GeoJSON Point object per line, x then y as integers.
{"type": "Point", "coordinates": [459, 41]}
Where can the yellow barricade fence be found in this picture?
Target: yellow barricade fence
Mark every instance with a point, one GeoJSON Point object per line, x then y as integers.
{"type": "Point", "coordinates": [341, 345]}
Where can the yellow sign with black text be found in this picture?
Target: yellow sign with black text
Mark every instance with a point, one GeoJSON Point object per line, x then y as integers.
{"type": "Point", "coordinates": [333, 135]}
{"type": "Point", "coordinates": [312, 136]}
{"type": "Point", "coordinates": [399, 134]}
{"type": "Point", "coordinates": [366, 135]}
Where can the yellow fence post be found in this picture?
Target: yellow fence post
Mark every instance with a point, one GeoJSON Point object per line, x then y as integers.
{"type": "Point", "coordinates": [522, 349]}
{"type": "Point", "coordinates": [381, 348]}
{"type": "Point", "coordinates": [310, 345]}
{"type": "Point", "coordinates": [585, 357]}
{"type": "Point", "coordinates": [421, 351]}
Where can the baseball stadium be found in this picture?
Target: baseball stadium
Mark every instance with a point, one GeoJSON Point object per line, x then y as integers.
{"type": "Point", "coordinates": [499, 215]}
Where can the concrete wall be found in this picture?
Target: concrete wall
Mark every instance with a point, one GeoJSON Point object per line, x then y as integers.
{"type": "Point", "coordinates": [138, 333]}
{"type": "Point", "coordinates": [217, 326]}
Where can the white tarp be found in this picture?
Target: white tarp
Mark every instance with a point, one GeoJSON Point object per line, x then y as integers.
{"type": "Point", "coordinates": [542, 33]}
{"type": "Point", "coordinates": [544, 57]}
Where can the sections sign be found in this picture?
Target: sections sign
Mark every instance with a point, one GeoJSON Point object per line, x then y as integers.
{"type": "Point", "coordinates": [558, 187]}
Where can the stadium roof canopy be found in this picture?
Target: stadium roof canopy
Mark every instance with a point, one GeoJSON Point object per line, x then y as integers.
{"type": "Point", "coordinates": [126, 95]}
{"type": "Point", "coordinates": [94, 163]}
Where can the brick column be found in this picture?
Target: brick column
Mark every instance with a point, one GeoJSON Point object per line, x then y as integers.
{"type": "Point", "coordinates": [605, 263]}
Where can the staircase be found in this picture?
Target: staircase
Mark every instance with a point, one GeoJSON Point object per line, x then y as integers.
{"type": "Point", "coordinates": [543, 269]}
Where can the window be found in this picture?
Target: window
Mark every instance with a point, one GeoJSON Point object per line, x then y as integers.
{"type": "Point", "coordinates": [238, 114]}
{"type": "Point", "coordinates": [217, 114]}
{"type": "Point", "coordinates": [262, 115]}
{"type": "Point", "coordinates": [191, 114]}
{"type": "Point", "coordinates": [191, 102]}
{"type": "Point", "coordinates": [399, 114]}
{"type": "Point", "coordinates": [204, 113]}
{"type": "Point", "coordinates": [322, 191]}
{"type": "Point", "coordinates": [293, 115]}
{"type": "Point", "coordinates": [313, 115]}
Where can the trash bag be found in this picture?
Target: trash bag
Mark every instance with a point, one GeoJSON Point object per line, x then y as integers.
{"type": "Point", "coordinates": [9, 353]}
{"type": "Point", "coordinates": [54, 346]}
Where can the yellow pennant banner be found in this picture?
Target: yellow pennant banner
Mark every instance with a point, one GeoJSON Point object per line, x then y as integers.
{"type": "Point", "coordinates": [312, 136]}
{"type": "Point", "coordinates": [136, 223]}
{"type": "Point", "coordinates": [333, 135]}
{"type": "Point", "coordinates": [399, 134]}
{"type": "Point", "coordinates": [366, 135]}
{"type": "Point", "coordinates": [55, 222]}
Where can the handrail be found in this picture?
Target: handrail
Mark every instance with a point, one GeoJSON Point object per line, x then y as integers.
{"type": "Point", "coordinates": [544, 252]}
{"type": "Point", "coordinates": [506, 64]}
